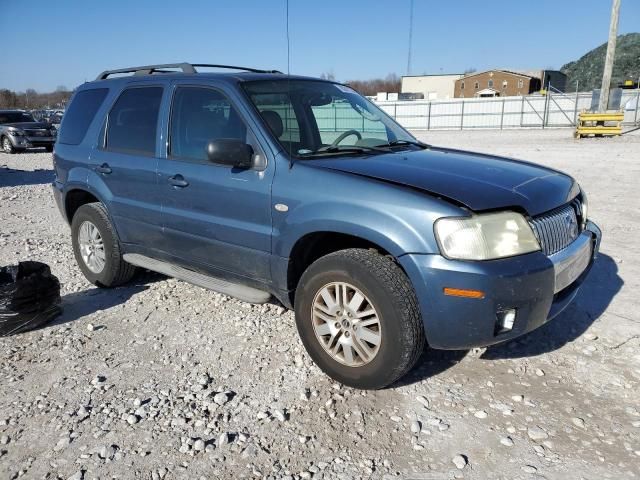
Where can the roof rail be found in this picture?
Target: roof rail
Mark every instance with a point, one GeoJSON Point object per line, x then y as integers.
{"type": "Point", "coordinates": [246, 69]}
{"type": "Point", "coordinates": [184, 66]}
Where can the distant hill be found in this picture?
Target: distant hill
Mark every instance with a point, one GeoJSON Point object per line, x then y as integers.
{"type": "Point", "coordinates": [588, 69]}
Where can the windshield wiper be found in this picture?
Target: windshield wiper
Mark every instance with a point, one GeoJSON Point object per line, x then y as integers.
{"type": "Point", "coordinates": [416, 143]}
{"type": "Point", "coordinates": [333, 150]}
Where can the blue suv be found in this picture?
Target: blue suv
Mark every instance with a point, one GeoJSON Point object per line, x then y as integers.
{"type": "Point", "coordinates": [257, 185]}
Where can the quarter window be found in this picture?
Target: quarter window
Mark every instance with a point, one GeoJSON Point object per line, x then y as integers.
{"type": "Point", "coordinates": [80, 114]}
{"type": "Point", "coordinates": [133, 121]}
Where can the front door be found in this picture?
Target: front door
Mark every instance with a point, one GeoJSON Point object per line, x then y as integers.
{"type": "Point", "coordinates": [215, 217]}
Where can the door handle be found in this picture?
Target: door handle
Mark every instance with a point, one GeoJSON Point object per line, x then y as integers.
{"type": "Point", "coordinates": [178, 181]}
{"type": "Point", "coordinates": [104, 169]}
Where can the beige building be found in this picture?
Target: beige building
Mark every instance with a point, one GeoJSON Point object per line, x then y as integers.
{"type": "Point", "coordinates": [432, 87]}
{"type": "Point", "coordinates": [495, 83]}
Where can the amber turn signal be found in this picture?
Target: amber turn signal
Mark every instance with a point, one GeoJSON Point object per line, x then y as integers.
{"type": "Point", "coordinates": [460, 292]}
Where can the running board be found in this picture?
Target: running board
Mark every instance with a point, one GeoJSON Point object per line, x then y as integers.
{"type": "Point", "coordinates": [242, 292]}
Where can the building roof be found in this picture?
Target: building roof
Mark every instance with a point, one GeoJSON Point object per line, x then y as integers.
{"type": "Point", "coordinates": [434, 75]}
{"type": "Point", "coordinates": [474, 74]}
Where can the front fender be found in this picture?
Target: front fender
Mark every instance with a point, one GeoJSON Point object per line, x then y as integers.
{"type": "Point", "coordinates": [396, 218]}
{"type": "Point", "coordinates": [393, 234]}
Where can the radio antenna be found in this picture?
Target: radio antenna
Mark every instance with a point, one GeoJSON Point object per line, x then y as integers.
{"type": "Point", "coordinates": [286, 111]}
{"type": "Point", "coordinates": [288, 43]}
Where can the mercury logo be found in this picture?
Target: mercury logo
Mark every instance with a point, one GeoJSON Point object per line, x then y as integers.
{"type": "Point", "coordinates": [572, 225]}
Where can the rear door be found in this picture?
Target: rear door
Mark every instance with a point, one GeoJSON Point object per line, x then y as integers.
{"type": "Point", "coordinates": [215, 217]}
{"type": "Point", "coordinates": [126, 164]}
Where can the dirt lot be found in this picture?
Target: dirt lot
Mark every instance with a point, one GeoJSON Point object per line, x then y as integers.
{"type": "Point", "coordinates": [161, 379]}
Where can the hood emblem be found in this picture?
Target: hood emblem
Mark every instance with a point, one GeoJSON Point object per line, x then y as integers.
{"type": "Point", "coordinates": [571, 224]}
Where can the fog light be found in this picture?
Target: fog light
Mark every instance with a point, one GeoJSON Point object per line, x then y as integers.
{"type": "Point", "coordinates": [506, 319]}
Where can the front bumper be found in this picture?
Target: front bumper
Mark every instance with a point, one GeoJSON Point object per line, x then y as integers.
{"type": "Point", "coordinates": [536, 286]}
{"type": "Point", "coordinates": [23, 142]}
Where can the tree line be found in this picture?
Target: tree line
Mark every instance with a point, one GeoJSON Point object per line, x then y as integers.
{"type": "Point", "coordinates": [31, 99]}
{"type": "Point", "coordinates": [390, 83]}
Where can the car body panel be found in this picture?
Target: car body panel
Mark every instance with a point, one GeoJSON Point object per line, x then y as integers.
{"type": "Point", "coordinates": [224, 214]}
{"type": "Point", "coordinates": [481, 182]}
{"type": "Point", "coordinates": [524, 282]}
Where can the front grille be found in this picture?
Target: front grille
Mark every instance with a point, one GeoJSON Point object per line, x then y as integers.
{"type": "Point", "coordinates": [558, 228]}
{"type": "Point", "coordinates": [37, 133]}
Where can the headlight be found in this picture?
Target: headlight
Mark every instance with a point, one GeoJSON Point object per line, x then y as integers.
{"type": "Point", "coordinates": [16, 133]}
{"type": "Point", "coordinates": [485, 237]}
{"type": "Point", "coordinates": [585, 208]}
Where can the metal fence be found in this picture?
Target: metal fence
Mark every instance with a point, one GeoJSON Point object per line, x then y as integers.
{"type": "Point", "coordinates": [533, 111]}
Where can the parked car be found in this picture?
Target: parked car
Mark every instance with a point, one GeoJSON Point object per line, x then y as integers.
{"type": "Point", "coordinates": [258, 185]}
{"type": "Point", "coordinates": [20, 131]}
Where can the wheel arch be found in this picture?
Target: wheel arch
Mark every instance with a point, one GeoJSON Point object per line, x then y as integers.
{"type": "Point", "coordinates": [314, 245]}
{"type": "Point", "coordinates": [75, 198]}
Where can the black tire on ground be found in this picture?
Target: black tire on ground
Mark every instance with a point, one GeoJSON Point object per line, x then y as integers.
{"type": "Point", "coordinates": [7, 146]}
{"type": "Point", "coordinates": [116, 271]}
{"type": "Point", "coordinates": [49, 148]}
{"type": "Point", "coordinates": [387, 287]}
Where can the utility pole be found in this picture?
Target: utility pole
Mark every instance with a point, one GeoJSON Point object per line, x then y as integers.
{"type": "Point", "coordinates": [410, 37]}
{"type": "Point", "coordinates": [608, 62]}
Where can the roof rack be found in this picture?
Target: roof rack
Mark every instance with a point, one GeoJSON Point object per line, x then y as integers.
{"type": "Point", "coordinates": [184, 66]}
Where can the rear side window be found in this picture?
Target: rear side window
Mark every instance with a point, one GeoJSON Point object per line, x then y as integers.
{"type": "Point", "coordinates": [80, 114]}
{"type": "Point", "coordinates": [133, 121]}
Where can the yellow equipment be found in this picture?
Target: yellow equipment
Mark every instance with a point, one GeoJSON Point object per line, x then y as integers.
{"type": "Point", "coordinates": [599, 124]}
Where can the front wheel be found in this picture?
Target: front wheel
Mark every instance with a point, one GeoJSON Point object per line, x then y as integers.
{"type": "Point", "coordinates": [358, 318]}
{"type": "Point", "coordinates": [7, 146]}
{"type": "Point", "coordinates": [97, 248]}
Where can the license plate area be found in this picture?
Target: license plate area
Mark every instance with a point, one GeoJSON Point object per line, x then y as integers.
{"type": "Point", "coordinates": [568, 269]}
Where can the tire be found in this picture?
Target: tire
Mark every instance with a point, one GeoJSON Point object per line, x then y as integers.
{"type": "Point", "coordinates": [115, 271]}
{"type": "Point", "coordinates": [48, 148]}
{"type": "Point", "coordinates": [383, 286]}
{"type": "Point", "coordinates": [7, 146]}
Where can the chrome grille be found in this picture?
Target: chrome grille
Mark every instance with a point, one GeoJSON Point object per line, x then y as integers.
{"type": "Point", "coordinates": [558, 228]}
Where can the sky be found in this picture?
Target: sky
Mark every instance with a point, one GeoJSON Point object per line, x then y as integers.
{"type": "Point", "coordinates": [68, 42]}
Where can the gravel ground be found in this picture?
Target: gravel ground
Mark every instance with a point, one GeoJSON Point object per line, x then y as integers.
{"type": "Point", "coordinates": [161, 379]}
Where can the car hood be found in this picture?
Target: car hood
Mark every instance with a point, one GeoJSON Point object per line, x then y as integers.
{"type": "Point", "coordinates": [477, 181]}
{"type": "Point", "coordinates": [27, 125]}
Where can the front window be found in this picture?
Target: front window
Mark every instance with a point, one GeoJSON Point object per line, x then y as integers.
{"type": "Point", "coordinates": [15, 117]}
{"type": "Point", "coordinates": [198, 116]}
{"type": "Point", "coordinates": [311, 117]}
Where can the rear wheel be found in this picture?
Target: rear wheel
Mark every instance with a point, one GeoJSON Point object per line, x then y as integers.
{"type": "Point", "coordinates": [97, 248]}
{"type": "Point", "coordinates": [358, 318]}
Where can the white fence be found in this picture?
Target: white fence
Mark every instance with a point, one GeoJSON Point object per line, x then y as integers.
{"type": "Point", "coordinates": [533, 111]}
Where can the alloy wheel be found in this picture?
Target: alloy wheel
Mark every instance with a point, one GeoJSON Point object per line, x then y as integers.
{"type": "Point", "coordinates": [91, 247]}
{"type": "Point", "coordinates": [346, 324]}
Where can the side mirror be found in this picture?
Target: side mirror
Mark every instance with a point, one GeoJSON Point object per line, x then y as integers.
{"type": "Point", "coordinates": [231, 152]}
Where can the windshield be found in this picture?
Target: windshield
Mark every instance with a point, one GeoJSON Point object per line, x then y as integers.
{"type": "Point", "coordinates": [15, 117]}
{"type": "Point", "coordinates": [315, 117]}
